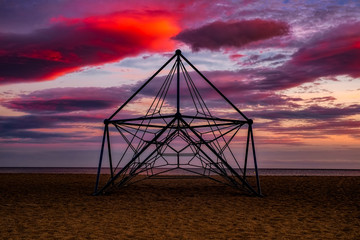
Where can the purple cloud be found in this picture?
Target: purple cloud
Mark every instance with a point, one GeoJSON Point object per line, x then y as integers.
{"type": "Point", "coordinates": [322, 128]}
{"type": "Point", "coordinates": [62, 100]}
{"type": "Point", "coordinates": [312, 112]}
{"type": "Point", "coordinates": [218, 34]}
{"type": "Point", "coordinates": [335, 52]}
{"type": "Point", "coordinates": [26, 127]}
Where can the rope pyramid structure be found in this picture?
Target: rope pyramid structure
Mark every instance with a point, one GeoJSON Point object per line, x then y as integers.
{"type": "Point", "coordinates": [176, 124]}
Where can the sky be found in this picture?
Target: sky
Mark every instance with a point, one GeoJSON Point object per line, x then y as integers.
{"type": "Point", "coordinates": [291, 66]}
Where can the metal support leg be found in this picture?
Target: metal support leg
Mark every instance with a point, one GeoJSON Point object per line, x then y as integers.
{"type": "Point", "coordinates": [100, 160]}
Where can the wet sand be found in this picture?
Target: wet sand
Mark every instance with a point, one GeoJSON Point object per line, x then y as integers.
{"type": "Point", "coordinates": [60, 206]}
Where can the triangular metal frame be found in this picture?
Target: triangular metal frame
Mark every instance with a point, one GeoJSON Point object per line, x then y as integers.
{"type": "Point", "coordinates": [164, 128]}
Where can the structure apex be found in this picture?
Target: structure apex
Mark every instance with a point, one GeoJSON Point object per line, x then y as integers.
{"type": "Point", "coordinates": [178, 52]}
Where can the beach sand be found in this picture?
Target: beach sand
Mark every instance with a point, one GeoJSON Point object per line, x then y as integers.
{"type": "Point", "coordinates": [60, 206]}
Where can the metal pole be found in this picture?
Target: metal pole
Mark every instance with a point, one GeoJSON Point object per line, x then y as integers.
{"type": "Point", "coordinates": [178, 53]}
{"type": "Point", "coordinates": [246, 152]}
{"type": "Point", "coordinates": [109, 150]}
{"type": "Point", "coordinates": [100, 161]}
{"type": "Point", "coordinates": [255, 163]}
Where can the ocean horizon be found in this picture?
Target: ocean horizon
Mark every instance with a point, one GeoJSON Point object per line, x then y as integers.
{"type": "Point", "coordinates": [262, 171]}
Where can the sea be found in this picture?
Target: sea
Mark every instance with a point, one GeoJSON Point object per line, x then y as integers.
{"type": "Point", "coordinates": [262, 171]}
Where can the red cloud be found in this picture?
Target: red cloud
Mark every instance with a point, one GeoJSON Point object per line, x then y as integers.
{"type": "Point", "coordinates": [216, 35]}
{"type": "Point", "coordinates": [71, 44]}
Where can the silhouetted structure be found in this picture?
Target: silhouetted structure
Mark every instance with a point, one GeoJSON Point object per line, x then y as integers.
{"type": "Point", "coordinates": [185, 127]}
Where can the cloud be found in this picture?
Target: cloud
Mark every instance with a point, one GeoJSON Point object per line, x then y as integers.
{"type": "Point", "coordinates": [94, 100]}
{"type": "Point", "coordinates": [322, 128]}
{"type": "Point", "coordinates": [219, 34]}
{"type": "Point", "coordinates": [328, 54]}
{"type": "Point", "coordinates": [70, 44]}
{"type": "Point", "coordinates": [30, 126]}
{"type": "Point", "coordinates": [53, 110]}
{"type": "Point", "coordinates": [23, 16]}
{"type": "Point", "coordinates": [332, 53]}
{"type": "Point", "coordinates": [312, 112]}
{"type": "Point", "coordinates": [61, 100]}
{"type": "Point", "coordinates": [59, 105]}
{"type": "Point", "coordinates": [43, 121]}
{"type": "Point", "coordinates": [24, 134]}
{"type": "Point", "coordinates": [321, 99]}
{"type": "Point", "coordinates": [234, 85]}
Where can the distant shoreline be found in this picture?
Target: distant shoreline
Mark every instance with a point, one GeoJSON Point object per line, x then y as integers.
{"type": "Point", "coordinates": [262, 171]}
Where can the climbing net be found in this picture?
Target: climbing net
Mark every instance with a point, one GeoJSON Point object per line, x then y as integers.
{"type": "Point", "coordinates": [180, 134]}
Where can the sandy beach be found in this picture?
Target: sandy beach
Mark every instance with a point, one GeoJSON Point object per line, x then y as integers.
{"type": "Point", "coordinates": [60, 206]}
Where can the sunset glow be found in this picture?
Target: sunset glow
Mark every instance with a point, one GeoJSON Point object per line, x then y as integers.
{"type": "Point", "coordinates": [292, 66]}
